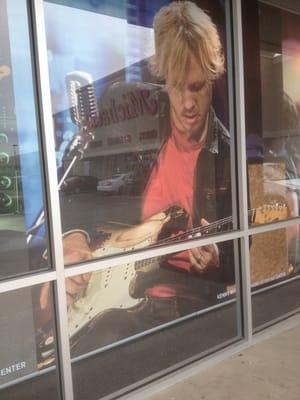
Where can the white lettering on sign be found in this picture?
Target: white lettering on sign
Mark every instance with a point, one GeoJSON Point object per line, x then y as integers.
{"type": "Point", "coordinates": [133, 104]}
{"type": "Point", "coordinates": [12, 368]}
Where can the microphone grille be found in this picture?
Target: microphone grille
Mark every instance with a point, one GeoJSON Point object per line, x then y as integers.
{"type": "Point", "coordinates": [73, 87]}
{"type": "Point", "coordinates": [87, 102]}
{"type": "Point", "coordinates": [82, 98]}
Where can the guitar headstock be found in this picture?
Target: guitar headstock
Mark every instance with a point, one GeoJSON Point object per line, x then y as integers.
{"type": "Point", "coordinates": [270, 213]}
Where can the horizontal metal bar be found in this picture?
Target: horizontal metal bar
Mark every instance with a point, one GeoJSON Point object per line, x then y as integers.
{"type": "Point", "coordinates": [25, 378]}
{"type": "Point", "coordinates": [153, 330]}
{"type": "Point", "coordinates": [27, 281]}
{"type": "Point", "coordinates": [163, 382]}
{"type": "Point", "coordinates": [143, 254]}
{"type": "Point", "coordinates": [272, 226]}
{"type": "Point", "coordinates": [146, 253]}
{"type": "Point", "coordinates": [119, 259]}
{"type": "Point", "coordinates": [286, 7]}
{"type": "Point", "coordinates": [275, 285]}
{"type": "Point", "coordinates": [274, 322]}
{"type": "Point", "coordinates": [130, 391]}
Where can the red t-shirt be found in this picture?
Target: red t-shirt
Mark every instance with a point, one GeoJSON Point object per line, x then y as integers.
{"type": "Point", "coordinates": [172, 183]}
{"type": "Point", "coordinates": [172, 179]}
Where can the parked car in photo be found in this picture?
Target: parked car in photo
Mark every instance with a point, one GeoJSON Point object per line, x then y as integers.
{"type": "Point", "coordinates": [135, 184]}
{"type": "Point", "coordinates": [78, 183]}
{"type": "Point", "coordinates": [114, 185]}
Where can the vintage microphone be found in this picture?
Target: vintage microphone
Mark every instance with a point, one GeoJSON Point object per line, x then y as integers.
{"type": "Point", "coordinates": [84, 113]}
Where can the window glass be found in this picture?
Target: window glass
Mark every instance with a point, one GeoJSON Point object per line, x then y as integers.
{"type": "Point", "coordinates": [137, 147]}
{"type": "Point", "coordinates": [28, 340]}
{"type": "Point", "coordinates": [119, 302]}
{"type": "Point", "coordinates": [275, 267]}
{"type": "Point", "coordinates": [124, 311]}
{"type": "Point", "coordinates": [272, 43]}
{"type": "Point", "coordinates": [21, 197]}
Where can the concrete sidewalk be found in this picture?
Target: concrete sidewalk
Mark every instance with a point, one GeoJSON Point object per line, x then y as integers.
{"type": "Point", "coordinates": [267, 370]}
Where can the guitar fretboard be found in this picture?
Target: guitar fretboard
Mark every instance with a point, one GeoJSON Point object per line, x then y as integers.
{"type": "Point", "coordinates": [221, 225]}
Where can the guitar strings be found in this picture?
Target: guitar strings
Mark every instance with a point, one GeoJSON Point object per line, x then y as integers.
{"type": "Point", "coordinates": [202, 229]}
{"type": "Point", "coordinates": [193, 231]}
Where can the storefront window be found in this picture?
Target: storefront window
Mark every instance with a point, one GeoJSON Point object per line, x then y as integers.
{"type": "Point", "coordinates": [275, 267]}
{"type": "Point", "coordinates": [144, 151]}
{"type": "Point", "coordinates": [124, 311]}
{"type": "Point", "coordinates": [28, 345]}
{"type": "Point", "coordinates": [272, 42]}
{"type": "Point", "coordinates": [119, 302]}
{"type": "Point", "coordinates": [125, 156]}
{"type": "Point", "coordinates": [144, 128]}
{"type": "Point", "coordinates": [22, 239]}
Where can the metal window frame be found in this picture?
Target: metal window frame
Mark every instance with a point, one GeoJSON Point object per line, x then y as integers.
{"type": "Point", "coordinates": [47, 128]}
{"type": "Point", "coordinates": [58, 275]}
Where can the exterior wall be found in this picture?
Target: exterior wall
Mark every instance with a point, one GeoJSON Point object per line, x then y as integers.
{"type": "Point", "coordinates": [72, 192]}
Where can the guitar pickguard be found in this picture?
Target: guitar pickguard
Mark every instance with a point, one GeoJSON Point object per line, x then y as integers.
{"type": "Point", "coordinates": [109, 288]}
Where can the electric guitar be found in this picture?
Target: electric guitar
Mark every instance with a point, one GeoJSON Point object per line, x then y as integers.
{"type": "Point", "coordinates": [111, 287]}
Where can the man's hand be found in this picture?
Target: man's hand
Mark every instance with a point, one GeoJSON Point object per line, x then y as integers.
{"type": "Point", "coordinates": [76, 249]}
{"type": "Point", "coordinates": [4, 71]}
{"type": "Point", "coordinates": [76, 286]}
{"type": "Point", "coordinates": [204, 257]}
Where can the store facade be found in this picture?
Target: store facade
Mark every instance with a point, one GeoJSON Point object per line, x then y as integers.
{"type": "Point", "coordinates": [127, 252]}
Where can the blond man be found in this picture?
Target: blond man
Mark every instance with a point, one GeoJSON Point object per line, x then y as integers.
{"type": "Point", "coordinates": [192, 171]}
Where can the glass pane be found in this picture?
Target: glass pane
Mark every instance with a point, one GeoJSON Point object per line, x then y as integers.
{"type": "Point", "coordinates": [125, 157]}
{"type": "Point", "coordinates": [21, 196]}
{"type": "Point", "coordinates": [275, 273]}
{"type": "Point", "coordinates": [272, 43]}
{"type": "Point", "coordinates": [132, 310]}
{"type": "Point", "coordinates": [28, 340]}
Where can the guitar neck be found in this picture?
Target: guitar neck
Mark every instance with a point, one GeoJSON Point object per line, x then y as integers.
{"type": "Point", "coordinates": [263, 214]}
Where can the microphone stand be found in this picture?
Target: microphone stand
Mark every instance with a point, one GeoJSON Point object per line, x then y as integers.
{"type": "Point", "coordinates": [77, 147]}
{"type": "Point", "coordinates": [83, 112]}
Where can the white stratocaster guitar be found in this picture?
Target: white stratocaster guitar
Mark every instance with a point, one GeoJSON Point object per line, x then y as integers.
{"type": "Point", "coordinates": [110, 288]}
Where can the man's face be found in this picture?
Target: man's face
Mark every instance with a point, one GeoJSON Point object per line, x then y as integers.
{"type": "Point", "coordinates": [190, 104]}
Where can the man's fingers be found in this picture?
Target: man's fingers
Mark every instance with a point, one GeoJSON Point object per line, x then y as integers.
{"type": "Point", "coordinates": [203, 257]}
{"type": "Point", "coordinates": [197, 260]}
{"type": "Point", "coordinates": [76, 248]}
{"type": "Point", "coordinates": [208, 248]}
{"type": "Point", "coordinates": [76, 284]}
{"type": "Point", "coordinates": [74, 255]}
{"type": "Point", "coordinates": [70, 299]}
{"type": "Point", "coordinates": [196, 253]}
{"type": "Point", "coordinates": [204, 222]}
{"type": "Point", "coordinates": [212, 254]}
{"type": "Point", "coordinates": [75, 287]}
{"type": "Point", "coordinates": [86, 277]}
{"type": "Point", "coordinates": [44, 296]}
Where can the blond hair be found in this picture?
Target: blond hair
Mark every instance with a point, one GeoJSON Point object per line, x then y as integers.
{"type": "Point", "coordinates": [182, 30]}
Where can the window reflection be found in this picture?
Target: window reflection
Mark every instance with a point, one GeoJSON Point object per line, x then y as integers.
{"type": "Point", "coordinates": [275, 275]}
{"type": "Point", "coordinates": [28, 346]}
{"type": "Point", "coordinates": [21, 196]}
{"type": "Point", "coordinates": [272, 107]}
{"type": "Point", "coordinates": [123, 156]}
